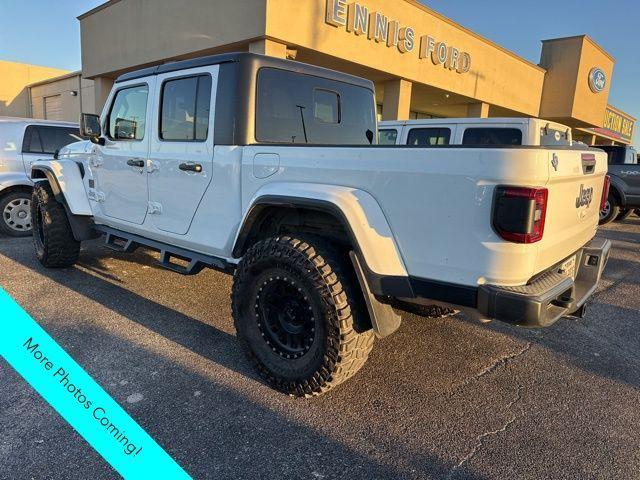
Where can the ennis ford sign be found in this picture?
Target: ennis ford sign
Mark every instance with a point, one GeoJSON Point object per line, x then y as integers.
{"type": "Point", "coordinates": [379, 28]}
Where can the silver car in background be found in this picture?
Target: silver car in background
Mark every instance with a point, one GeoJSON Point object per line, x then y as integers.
{"type": "Point", "coordinates": [22, 141]}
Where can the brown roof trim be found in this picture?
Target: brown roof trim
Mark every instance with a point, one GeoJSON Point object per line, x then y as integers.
{"type": "Point", "coordinates": [439, 16]}
{"type": "Point", "coordinates": [55, 79]}
{"type": "Point", "coordinates": [106, 4]}
{"type": "Point", "coordinates": [588, 39]}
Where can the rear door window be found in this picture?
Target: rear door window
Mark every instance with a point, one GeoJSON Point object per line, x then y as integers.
{"type": "Point", "coordinates": [492, 136]}
{"type": "Point", "coordinates": [387, 137]}
{"type": "Point", "coordinates": [185, 109]}
{"type": "Point", "coordinates": [429, 137]}
{"type": "Point", "coordinates": [48, 139]}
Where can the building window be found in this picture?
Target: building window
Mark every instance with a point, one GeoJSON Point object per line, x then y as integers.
{"type": "Point", "coordinates": [128, 114]}
{"type": "Point", "coordinates": [492, 136]}
{"type": "Point", "coordinates": [185, 109]}
{"type": "Point", "coordinates": [429, 137]}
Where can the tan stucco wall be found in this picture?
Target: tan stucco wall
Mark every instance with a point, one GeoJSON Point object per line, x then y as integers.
{"type": "Point", "coordinates": [496, 77]}
{"type": "Point", "coordinates": [141, 32]}
{"type": "Point", "coordinates": [70, 103]}
{"type": "Point", "coordinates": [566, 96]}
{"type": "Point", "coordinates": [14, 78]}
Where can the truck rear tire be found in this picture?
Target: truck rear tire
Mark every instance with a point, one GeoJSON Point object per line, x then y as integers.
{"type": "Point", "coordinates": [53, 239]}
{"type": "Point", "coordinates": [624, 214]}
{"type": "Point", "coordinates": [610, 211]}
{"type": "Point", "coordinates": [15, 211]}
{"type": "Point", "coordinates": [298, 315]}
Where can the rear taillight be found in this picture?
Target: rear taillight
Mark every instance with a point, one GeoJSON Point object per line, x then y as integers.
{"type": "Point", "coordinates": [605, 192]}
{"type": "Point", "coordinates": [519, 213]}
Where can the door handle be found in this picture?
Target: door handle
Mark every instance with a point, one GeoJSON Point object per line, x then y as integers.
{"type": "Point", "coordinates": [135, 162]}
{"type": "Point", "coordinates": [190, 167]}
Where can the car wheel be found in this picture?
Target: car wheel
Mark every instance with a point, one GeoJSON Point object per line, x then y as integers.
{"type": "Point", "coordinates": [298, 315]}
{"type": "Point", "coordinates": [624, 213]}
{"type": "Point", "coordinates": [15, 209]}
{"type": "Point", "coordinates": [610, 210]}
{"type": "Point", "coordinates": [53, 239]}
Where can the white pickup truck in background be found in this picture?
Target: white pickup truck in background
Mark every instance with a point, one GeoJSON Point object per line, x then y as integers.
{"type": "Point", "coordinates": [268, 169]}
{"type": "Point", "coordinates": [475, 132]}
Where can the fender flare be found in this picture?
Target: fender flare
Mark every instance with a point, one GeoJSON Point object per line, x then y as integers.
{"type": "Point", "coordinates": [61, 174]}
{"type": "Point", "coordinates": [12, 180]}
{"type": "Point", "coordinates": [362, 218]}
{"type": "Point", "coordinates": [617, 188]}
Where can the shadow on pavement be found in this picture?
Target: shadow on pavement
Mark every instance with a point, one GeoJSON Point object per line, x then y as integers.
{"type": "Point", "coordinates": [220, 433]}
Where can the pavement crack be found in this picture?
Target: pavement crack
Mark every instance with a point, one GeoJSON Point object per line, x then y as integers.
{"type": "Point", "coordinates": [480, 439]}
{"type": "Point", "coordinates": [498, 362]}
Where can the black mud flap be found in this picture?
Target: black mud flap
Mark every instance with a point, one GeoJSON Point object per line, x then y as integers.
{"type": "Point", "coordinates": [384, 319]}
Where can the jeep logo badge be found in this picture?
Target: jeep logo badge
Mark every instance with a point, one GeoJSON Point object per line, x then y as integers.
{"type": "Point", "coordinates": [584, 197]}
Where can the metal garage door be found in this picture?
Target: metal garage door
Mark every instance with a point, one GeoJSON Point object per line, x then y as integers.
{"type": "Point", "coordinates": [53, 107]}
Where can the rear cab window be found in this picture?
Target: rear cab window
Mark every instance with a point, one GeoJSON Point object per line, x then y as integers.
{"type": "Point", "coordinates": [492, 136]}
{"type": "Point", "coordinates": [47, 139]}
{"type": "Point", "coordinates": [298, 108]}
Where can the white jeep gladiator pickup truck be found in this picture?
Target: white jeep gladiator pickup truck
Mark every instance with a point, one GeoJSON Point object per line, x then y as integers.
{"type": "Point", "coordinates": [268, 169]}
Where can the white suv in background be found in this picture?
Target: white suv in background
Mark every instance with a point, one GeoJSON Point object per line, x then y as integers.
{"type": "Point", "coordinates": [475, 132]}
{"type": "Point", "coordinates": [23, 141]}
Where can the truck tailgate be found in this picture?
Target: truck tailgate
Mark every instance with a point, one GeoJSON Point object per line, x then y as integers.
{"type": "Point", "coordinates": [576, 181]}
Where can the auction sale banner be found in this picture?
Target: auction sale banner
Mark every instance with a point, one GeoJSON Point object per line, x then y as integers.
{"type": "Point", "coordinates": [79, 399]}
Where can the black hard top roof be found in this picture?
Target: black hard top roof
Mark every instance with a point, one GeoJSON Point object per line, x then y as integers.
{"type": "Point", "coordinates": [245, 57]}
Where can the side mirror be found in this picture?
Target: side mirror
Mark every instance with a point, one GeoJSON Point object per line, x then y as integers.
{"type": "Point", "coordinates": [370, 136]}
{"type": "Point", "coordinates": [90, 128]}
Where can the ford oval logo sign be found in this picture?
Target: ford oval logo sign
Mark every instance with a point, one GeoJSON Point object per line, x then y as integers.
{"type": "Point", "coordinates": [597, 80]}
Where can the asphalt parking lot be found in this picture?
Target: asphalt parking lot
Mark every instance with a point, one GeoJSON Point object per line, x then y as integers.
{"type": "Point", "coordinates": [443, 398]}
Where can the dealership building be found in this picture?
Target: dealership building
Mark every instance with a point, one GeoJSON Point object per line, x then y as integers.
{"type": "Point", "coordinates": [424, 65]}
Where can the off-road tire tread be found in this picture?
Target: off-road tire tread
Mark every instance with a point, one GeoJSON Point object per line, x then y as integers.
{"type": "Point", "coordinates": [61, 249]}
{"type": "Point", "coordinates": [347, 349]}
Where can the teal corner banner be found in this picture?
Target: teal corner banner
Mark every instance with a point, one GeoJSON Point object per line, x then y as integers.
{"type": "Point", "coordinates": [79, 399]}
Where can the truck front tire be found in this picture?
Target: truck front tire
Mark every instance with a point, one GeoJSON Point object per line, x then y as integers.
{"type": "Point", "coordinates": [53, 239]}
{"type": "Point", "coordinates": [610, 211]}
{"type": "Point", "coordinates": [15, 211]}
{"type": "Point", "coordinates": [297, 314]}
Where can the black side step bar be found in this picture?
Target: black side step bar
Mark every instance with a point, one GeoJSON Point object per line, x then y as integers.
{"type": "Point", "coordinates": [196, 262]}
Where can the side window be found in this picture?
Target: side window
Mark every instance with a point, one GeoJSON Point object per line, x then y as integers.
{"type": "Point", "coordinates": [492, 136]}
{"type": "Point", "coordinates": [184, 114]}
{"type": "Point", "coordinates": [128, 114]}
{"type": "Point", "coordinates": [54, 138]}
{"type": "Point", "coordinates": [326, 106]}
{"type": "Point", "coordinates": [387, 137]}
{"type": "Point", "coordinates": [631, 156]}
{"type": "Point", "coordinates": [32, 142]}
{"type": "Point", "coordinates": [429, 137]}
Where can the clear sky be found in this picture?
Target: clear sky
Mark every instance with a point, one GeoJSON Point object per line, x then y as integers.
{"type": "Point", "coordinates": [46, 32]}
